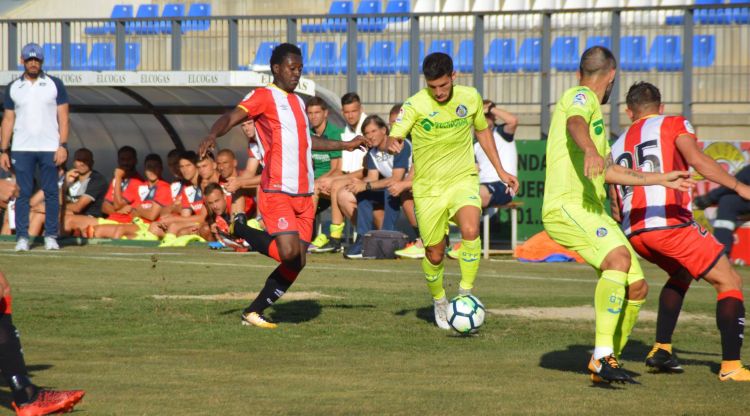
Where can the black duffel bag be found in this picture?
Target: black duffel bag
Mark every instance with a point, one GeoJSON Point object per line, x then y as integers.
{"type": "Point", "coordinates": [382, 244]}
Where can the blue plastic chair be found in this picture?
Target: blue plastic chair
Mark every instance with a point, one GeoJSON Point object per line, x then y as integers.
{"type": "Point", "coordinates": [145, 27]}
{"type": "Point", "coordinates": [704, 51]}
{"type": "Point", "coordinates": [605, 41]}
{"type": "Point", "coordinates": [263, 56]}
{"type": "Point", "coordinates": [52, 56]}
{"type": "Point", "coordinates": [305, 57]}
{"type": "Point", "coordinates": [741, 16]}
{"type": "Point", "coordinates": [370, 24]}
{"type": "Point", "coordinates": [361, 58]}
{"type": "Point", "coordinates": [198, 10]}
{"type": "Point", "coordinates": [501, 56]}
{"type": "Point", "coordinates": [119, 11]}
{"type": "Point", "coordinates": [565, 54]}
{"type": "Point", "coordinates": [665, 53]}
{"type": "Point", "coordinates": [465, 58]}
{"type": "Point", "coordinates": [338, 24]}
{"type": "Point", "coordinates": [79, 57]}
{"type": "Point", "coordinates": [441, 45]}
{"type": "Point", "coordinates": [402, 60]}
{"type": "Point", "coordinates": [530, 55]}
{"type": "Point", "coordinates": [132, 56]}
{"type": "Point", "coordinates": [172, 10]}
{"type": "Point", "coordinates": [382, 57]}
{"type": "Point", "coordinates": [313, 28]}
{"type": "Point", "coordinates": [324, 59]}
{"type": "Point", "coordinates": [714, 16]}
{"type": "Point", "coordinates": [102, 57]}
{"type": "Point", "coordinates": [633, 53]}
{"type": "Point", "coordinates": [397, 7]}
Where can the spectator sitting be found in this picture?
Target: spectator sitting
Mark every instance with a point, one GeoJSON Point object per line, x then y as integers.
{"type": "Point", "coordinates": [207, 170]}
{"type": "Point", "coordinates": [84, 191]}
{"type": "Point", "coordinates": [218, 204]}
{"type": "Point", "coordinates": [360, 197]}
{"type": "Point", "coordinates": [226, 164]}
{"type": "Point", "coordinates": [173, 165]}
{"type": "Point", "coordinates": [248, 179]}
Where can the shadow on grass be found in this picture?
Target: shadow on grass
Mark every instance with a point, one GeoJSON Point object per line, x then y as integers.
{"type": "Point", "coordinates": [6, 398]}
{"type": "Point", "coordinates": [426, 313]}
{"type": "Point", "coordinates": [298, 311]}
{"type": "Point", "coordinates": [575, 358]}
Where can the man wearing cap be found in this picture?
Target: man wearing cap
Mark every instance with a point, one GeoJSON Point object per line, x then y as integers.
{"type": "Point", "coordinates": [36, 116]}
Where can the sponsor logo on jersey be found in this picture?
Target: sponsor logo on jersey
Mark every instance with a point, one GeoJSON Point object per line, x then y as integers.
{"type": "Point", "coordinates": [601, 232]}
{"type": "Point", "coordinates": [426, 124]}
{"type": "Point", "coordinates": [580, 99]}
{"type": "Point", "coordinates": [462, 111]}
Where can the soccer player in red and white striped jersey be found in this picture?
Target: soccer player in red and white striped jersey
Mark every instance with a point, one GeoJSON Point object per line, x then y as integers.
{"type": "Point", "coordinates": [659, 224]}
{"type": "Point", "coordinates": [285, 194]}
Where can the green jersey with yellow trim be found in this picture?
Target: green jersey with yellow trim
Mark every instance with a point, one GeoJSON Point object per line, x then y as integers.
{"type": "Point", "coordinates": [442, 137]}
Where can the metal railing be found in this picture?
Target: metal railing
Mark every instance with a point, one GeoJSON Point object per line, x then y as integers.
{"type": "Point", "coordinates": [543, 68]}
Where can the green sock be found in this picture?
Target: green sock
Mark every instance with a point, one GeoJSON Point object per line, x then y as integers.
{"type": "Point", "coordinates": [628, 318]}
{"type": "Point", "coordinates": [336, 230]}
{"type": "Point", "coordinates": [608, 300]}
{"type": "Point", "coordinates": [468, 261]}
{"type": "Point", "coordinates": [433, 273]}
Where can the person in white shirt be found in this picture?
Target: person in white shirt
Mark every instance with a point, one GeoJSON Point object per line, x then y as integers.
{"type": "Point", "coordinates": [504, 124]}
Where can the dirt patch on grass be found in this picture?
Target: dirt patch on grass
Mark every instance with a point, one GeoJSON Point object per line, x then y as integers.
{"type": "Point", "coordinates": [586, 313]}
{"type": "Point", "coordinates": [246, 296]}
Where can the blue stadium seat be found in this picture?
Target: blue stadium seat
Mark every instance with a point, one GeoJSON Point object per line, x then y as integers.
{"type": "Point", "coordinates": [313, 28]}
{"type": "Point", "coordinates": [465, 59]}
{"type": "Point", "coordinates": [441, 45]}
{"type": "Point", "coordinates": [132, 56]}
{"type": "Point", "coordinates": [666, 53]}
{"type": "Point", "coordinates": [704, 51]}
{"type": "Point", "coordinates": [565, 55]}
{"type": "Point", "coordinates": [324, 58]}
{"type": "Point", "coordinates": [79, 59]}
{"type": "Point", "coordinates": [144, 27]}
{"type": "Point", "coordinates": [361, 58]}
{"type": "Point", "coordinates": [397, 7]}
{"type": "Point", "coordinates": [119, 11]}
{"type": "Point", "coordinates": [263, 56]}
{"type": "Point", "coordinates": [52, 56]}
{"type": "Point", "coordinates": [530, 55]}
{"type": "Point", "coordinates": [633, 53]}
{"type": "Point", "coordinates": [198, 10]}
{"type": "Point", "coordinates": [172, 10]}
{"type": "Point", "coordinates": [605, 41]}
{"type": "Point", "coordinates": [305, 58]}
{"type": "Point", "coordinates": [501, 56]}
{"type": "Point", "coordinates": [102, 57]}
{"type": "Point", "coordinates": [370, 24]}
{"type": "Point", "coordinates": [338, 24]}
{"type": "Point", "coordinates": [402, 60]}
{"type": "Point", "coordinates": [382, 57]}
{"type": "Point", "coordinates": [713, 16]}
{"type": "Point", "coordinates": [740, 15]}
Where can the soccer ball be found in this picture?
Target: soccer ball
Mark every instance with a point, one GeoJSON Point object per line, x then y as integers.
{"type": "Point", "coordinates": [465, 314]}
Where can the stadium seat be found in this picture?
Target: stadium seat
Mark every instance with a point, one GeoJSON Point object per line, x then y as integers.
{"type": "Point", "coordinates": [382, 57]}
{"type": "Point", "coordinates": [740, 16]}
{"type": "Point", "coordinates": [501, 56]}
{"type": "Point", "coordinates": [441, 45]}
{"type": "Point", "coordinates": [324, 59]}
{"type": "Point", "coordinates": [422, 6]}
{"type": "Point", "coordinates": [119, 11]}
{"type": "Point", "coordinates": [370, 24]}
{"type": "Point", "coordinates": [144, 27]}
{"type": "Point", "coordinates": [704, 50]}
{"type": "Point", "coordinates": [402, 60]}
{"type": "Point", "coordinates": [263, 57]}
{"type": "Point", "coordinates": [633, 53]}
{"type": "Point", "coordinates": [102, 57]}
{"type": "Point", "coordinates": [530, 55]}
{"type": "Point", "coordinates": [305, 57]}
{"type": "Point", "coordinates": [338, 24]}
{"type": "Point", "coordinates": [132, 56]}
{"type": "Point", "coordinates": [565, 54]}
{"type": "Point", "coordinates": [396, 7]}
{"type": "Point", "coordinates": [198, 10]}
{"type": "Point", "coordinates": [361, 58]}
{"type": "Point", "coordinates": [712, 16]}
{"type": "Point", "coordinates": [52, 56]}
{"type": "Point", "coordinates": [674, 17]}
{"type": "Point", "coordinates": [172, 10]}
{"type": "Point", "coordinates": [456, 23]}
{"type": "Point", "coordinates": [465, 58]}
{"type": "Point", "coordinates": [665, 53]}
{"type": "Point", "coordinates": [605, 41]}
{"type": "Point", "coordinates": [79, 59]}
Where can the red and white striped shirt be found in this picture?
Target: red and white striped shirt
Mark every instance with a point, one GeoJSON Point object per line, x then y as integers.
{"type": "Point", "coordinates": [284, 140]}
{"type": "Point", "coordinates": [649, 146]}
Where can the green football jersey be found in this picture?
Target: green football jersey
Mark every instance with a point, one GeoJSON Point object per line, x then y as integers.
{"type": "Point", "coordinates": [565, 180]}
{"type": "Point", "coordinates": [442, 136]}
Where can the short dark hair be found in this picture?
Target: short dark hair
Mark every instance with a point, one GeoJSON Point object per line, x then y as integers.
{"type": "Point", "coordinates": [85, 156]}
{"type": "Point", "coordinates": [211, 187]}
{"type": "Point", "coordinates": [317, 102]}
{"type": "Point", "coordinates": [350, 98]}
{"type": "Point", "coordinates": [436, 65]}
{"type": "Point", "coordinates": [174, 153]}
{"type": "Point", "coordinates": [596, 60]}
{"type": "Point", "coordinates": [125, 149]}
{"type": "Point", "coordinates": [153, 157]}
{"type": "Point", "coordinates": [226, 152]}
{"type": "Point", "coordinates": [395, 109]}
{"type": "Point", "coordinates": [282, 51]}
{"type": "Point", "coordinates": [377, 120]}
{"type": "Point", "coordinates": [643, 95]}
{"type": "Point", "coordinates": [190, 156]}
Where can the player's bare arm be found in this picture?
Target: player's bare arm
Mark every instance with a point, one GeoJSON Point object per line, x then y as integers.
{"type": "Point", "coordinates": [118, 201]}
{"type": "Point", "coordinates": [487, 142]}
{"type": "Point", "coordinates": [319, 143]}
{"type": "Point", "coordinates": [63, 122]}
{"type": "Point", "coordinates": [221, 127]}
{"type": "Point", "coordinates": [708, 167]}
{"type": "Point", "coordinates": [620, 175]}
{"type": "Point", "coordinates": [394, 144]}
{"type": "Point", "coordinates": [593, 162]}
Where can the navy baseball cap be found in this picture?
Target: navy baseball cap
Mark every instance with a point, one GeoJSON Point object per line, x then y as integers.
{"type": "Point", "coordinates": [32, 50]}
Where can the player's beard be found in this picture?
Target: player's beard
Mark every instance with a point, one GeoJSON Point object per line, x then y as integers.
{"type": "Point", "coordinates": [607, 92]}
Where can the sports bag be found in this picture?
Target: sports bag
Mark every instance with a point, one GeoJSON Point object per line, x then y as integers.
{"type": "Point", "coordinates": [382, 244]}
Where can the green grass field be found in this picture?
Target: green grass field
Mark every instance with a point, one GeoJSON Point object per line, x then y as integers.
{"type": "Point", "coordinates": [148, 332]}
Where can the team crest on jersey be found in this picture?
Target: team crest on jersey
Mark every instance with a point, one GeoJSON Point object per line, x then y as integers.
{"type": "Point", "coordinates": [462, 111]}
{"type": "Point", "coordinates": [580, 99]}
{"type": "Point", "coordinates": [282, 224]}
{"type": "Point", "coordinates": [601, 232]}
{"type": "Point", "coordinates": [689, 127]}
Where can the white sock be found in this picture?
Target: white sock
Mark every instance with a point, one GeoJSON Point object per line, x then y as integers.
{"type": "Point", "coordinates": [600, 352]}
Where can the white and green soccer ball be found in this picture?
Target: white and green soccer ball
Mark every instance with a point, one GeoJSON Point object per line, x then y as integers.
{"type": "Point", "coordinates": [465, 314]}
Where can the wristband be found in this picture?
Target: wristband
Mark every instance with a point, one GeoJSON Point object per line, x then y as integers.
{"type": "Point", "coordinates": [64, 145]}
